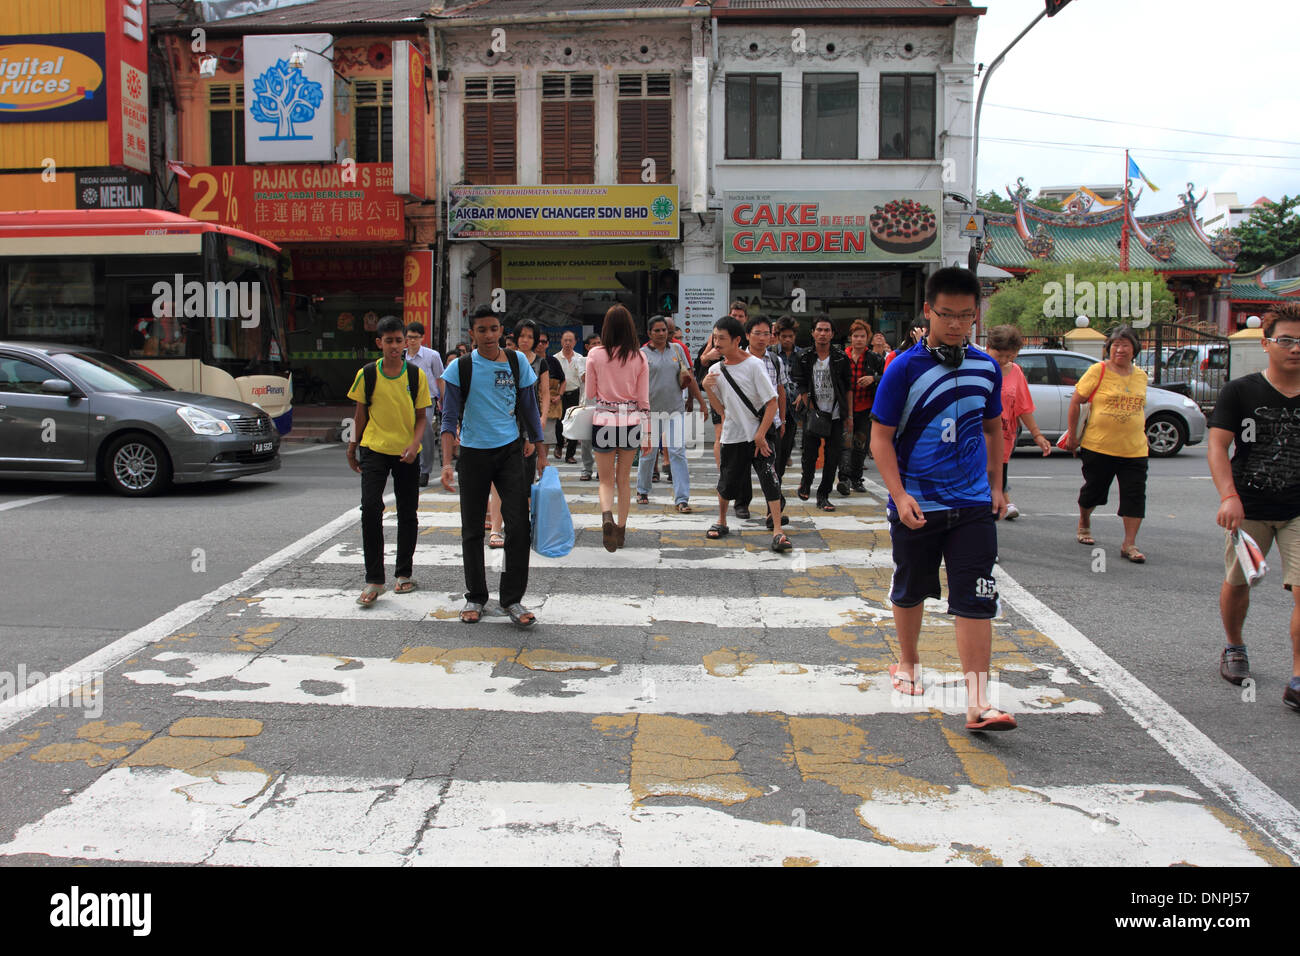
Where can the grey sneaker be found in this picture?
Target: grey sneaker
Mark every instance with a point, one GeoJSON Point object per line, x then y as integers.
{"type": "Point", "coordinates": [1234, 667]}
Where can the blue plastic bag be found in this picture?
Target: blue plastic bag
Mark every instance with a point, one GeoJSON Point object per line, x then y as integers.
{"type": "Point", "coordinates": [552, 523]}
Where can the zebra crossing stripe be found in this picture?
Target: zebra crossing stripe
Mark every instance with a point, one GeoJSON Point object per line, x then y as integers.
{"type": "Point", "coordinates": [587, 687]}
{"type": "Point", "coordinates": [700, 522]}
{"type": "Point", "coordinates": [242, 818]}
{"type": "Point", "coordinates": [583, 610]}
{"type": "Point", "coordinates": [650, 559]}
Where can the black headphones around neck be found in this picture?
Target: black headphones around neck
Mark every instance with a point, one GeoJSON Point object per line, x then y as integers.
{"type": "Point", "coordinates": [950, 355]}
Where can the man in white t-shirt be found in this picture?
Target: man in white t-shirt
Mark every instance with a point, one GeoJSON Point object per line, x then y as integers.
{"type": "Point", "coordinates": [740, 387]}
{"type": "Point", "coordinates": [575, 369]}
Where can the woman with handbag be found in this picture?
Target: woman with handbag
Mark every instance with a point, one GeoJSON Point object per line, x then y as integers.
{"type": "Point", "coordinates": [618, 385]}
{"type": "Point", "coordinates": [1113, 445]}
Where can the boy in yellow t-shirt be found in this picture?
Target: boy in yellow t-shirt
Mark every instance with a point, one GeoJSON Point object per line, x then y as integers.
{"type": "Point", "coordinates": [388, 423]}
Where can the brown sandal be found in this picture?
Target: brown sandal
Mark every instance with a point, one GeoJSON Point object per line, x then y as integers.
{"type": "Point", "coordinates": [1084, 536]}
{"type": "Point", "coordinates": [1131, 553]}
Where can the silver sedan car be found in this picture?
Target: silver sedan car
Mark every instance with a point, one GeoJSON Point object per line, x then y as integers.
{"type": "Point", "coordinates": [1173, 420]}
{"type": "Point", "coordinates": [69, 413]}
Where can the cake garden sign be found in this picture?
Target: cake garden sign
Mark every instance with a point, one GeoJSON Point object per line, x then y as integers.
{"type": "Point", "coordinates": [833, 225]}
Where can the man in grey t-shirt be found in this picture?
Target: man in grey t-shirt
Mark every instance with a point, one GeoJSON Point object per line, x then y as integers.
{"type": "Point", "coordinates": [667, 360]}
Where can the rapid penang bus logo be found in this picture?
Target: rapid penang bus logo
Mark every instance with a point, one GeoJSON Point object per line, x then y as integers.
{"type": "Point", "coordinates": [215, 300]}
{"type": "Point", "coordinates": [36, 77]}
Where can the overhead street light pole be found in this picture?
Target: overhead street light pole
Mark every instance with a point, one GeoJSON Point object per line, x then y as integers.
{"type": "Point", "coordinates": [1051, 8]}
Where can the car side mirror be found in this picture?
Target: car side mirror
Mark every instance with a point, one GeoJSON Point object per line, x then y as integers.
{"type": "Point", "coordinates": [60, 386]}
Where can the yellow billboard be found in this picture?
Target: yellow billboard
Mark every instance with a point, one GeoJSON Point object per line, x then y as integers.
{"type": "Point", "coordinates": [538, 270]}
{"type": "Point", "coordinates": [564, 212]}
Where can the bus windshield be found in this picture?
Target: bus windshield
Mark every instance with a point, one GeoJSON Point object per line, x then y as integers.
{"type": "Point", "coordinates": [245, 334]}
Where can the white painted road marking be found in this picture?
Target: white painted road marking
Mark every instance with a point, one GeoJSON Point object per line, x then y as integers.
{"type": "Point", "coordinates": [37, 697]}
{"type": "Point", "coordinates": [1247, 795]}
{"type": "Point", "coordinates": [699, 522]}
{"type": "Point", "coordinates": [23, 502]}
{"type": "Point", "coordinates": [649, 559]}
{"type": "Point", "coordinates": [152, 815]}
{"type": "Point", "coordinates": [584, 610]}
{"type": "Point", "coordinates": [786, 688]}
{"type": "Point", "coordinates": [308, 449]}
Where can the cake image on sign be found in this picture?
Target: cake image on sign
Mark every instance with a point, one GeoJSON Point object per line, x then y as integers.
{"type": "Point", "coordinates": [903, 226]}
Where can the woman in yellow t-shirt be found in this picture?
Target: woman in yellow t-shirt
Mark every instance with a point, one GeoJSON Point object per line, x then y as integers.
{"type": "Point", "coordinates": [1114, 442]}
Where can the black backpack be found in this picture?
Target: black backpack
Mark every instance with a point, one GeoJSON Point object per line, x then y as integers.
{"type": "Point", "coordinates": [370, 375]}
{"type": "Point", "coordinates": [465, 372]}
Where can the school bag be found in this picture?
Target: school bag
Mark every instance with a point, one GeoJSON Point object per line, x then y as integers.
{"type": "Point", "coordinates": [370, 375]}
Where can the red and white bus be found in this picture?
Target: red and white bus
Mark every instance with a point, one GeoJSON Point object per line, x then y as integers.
{"type": "Point", "coordinates": [196, 303]}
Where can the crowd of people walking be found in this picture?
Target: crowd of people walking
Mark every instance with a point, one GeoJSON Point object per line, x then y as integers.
{"type": "Point", "coordinates": [938, 415]}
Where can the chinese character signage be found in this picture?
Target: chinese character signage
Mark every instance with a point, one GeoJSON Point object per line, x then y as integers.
{"type": "Point", "coordinates": [298, 203]}
{"type": "Point", "coordinates": [564, 212]}
{"type": "Point", "coordinates": [288, 110]}
{"type": "Point", "coordinates": [833, 225]}
{"type": "Point", "coordinates": [127, 81]}
{"type": "Point", "coordinates": [52, 77]}
{"type": "Point", "coordinates": [409, 131]}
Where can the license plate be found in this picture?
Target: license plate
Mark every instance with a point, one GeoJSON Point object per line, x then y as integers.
{"type": "Point", "coordinates": [263, 446]}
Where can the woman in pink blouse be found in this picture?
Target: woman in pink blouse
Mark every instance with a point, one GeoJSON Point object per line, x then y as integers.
{"type": "Point", "coordinates": [618, 384]}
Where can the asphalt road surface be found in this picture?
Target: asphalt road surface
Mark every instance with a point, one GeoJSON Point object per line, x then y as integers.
{"type": "Point", "coordinates": [681, 701]}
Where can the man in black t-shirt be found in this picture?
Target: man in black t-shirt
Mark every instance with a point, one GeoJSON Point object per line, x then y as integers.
{"type": "Point", "coordinates": [1260, 489]}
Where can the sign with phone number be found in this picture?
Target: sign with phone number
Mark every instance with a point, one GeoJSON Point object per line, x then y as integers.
{"type": "Point", "coordinates": [298, 203]}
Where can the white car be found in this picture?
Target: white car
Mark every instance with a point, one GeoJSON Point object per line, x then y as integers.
{"type": "Point", "coordinates": [1173, 420]}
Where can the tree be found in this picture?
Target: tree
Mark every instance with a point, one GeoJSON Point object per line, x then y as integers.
{"type": "Point", "coordinates": [284, 96]}
{"type": "Point", "coordinates": [1051, 205]}
{"type": "Point", "coordinates": [1048, 301]}
{"type": "Point", "coordinates": [992, 202]}
{"type": "Point", "coordinates": [1271, 234]}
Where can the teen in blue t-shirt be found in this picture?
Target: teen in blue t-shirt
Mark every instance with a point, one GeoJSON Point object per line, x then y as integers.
{"type": "Point", "coordinates": [492, 452]}
{"type": "Point", "coordinates": [937, 436]}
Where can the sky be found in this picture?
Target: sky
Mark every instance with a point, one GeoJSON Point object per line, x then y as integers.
{"type": "Point", "coordinates": [1212, 67]}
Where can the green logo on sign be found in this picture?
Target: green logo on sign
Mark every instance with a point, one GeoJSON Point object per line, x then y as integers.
{"type": "Point", "coordinates": [662, 207]}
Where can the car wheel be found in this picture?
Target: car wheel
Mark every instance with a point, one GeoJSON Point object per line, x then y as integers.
{"type": "Point", "coordinates": [137, 466]}
{"type": "Point", "coordinates": [1166, 435]}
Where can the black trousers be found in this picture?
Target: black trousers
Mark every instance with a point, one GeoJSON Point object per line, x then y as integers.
{"type": "Point", "coordinates": [861, 445]}
{"type": "Point", "coordinates": [834, 447]}
{"type": "Point", "coordinates": [478, 469]}
{"type": "Point", "coordinates": [746, 491]}
{"type": "Point", "coordinates": [791, 419]}
{"type": "Point", "coordinates": [567, 401]}
{"type": "Point", "coordinates": [375, 469]}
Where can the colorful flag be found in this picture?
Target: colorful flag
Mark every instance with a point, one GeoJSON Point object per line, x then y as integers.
{"type": "Point", "coordinates": [1135, 173]}
{"type": "Point", "coordinates": [1250, 557]}
{"type": "Point", "coordinates": [177, 168]}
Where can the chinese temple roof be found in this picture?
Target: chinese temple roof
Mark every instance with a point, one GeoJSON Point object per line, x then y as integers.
{"type": "Point", "coordinates": [1251, 288]}
{"type": "Point", "coordinates": [1168, 242]}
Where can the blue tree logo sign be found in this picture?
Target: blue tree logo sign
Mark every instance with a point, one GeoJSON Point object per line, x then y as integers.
{"type": "Point", "coordinates": [284, 96]}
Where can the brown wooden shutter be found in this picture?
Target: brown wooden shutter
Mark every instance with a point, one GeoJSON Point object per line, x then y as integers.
{"type": "Point", "coordinates": [645, 129]}
{"type": "Point", "coordinates": [568, 143]}
{"type": "Point", "coordinates": [490, 144]}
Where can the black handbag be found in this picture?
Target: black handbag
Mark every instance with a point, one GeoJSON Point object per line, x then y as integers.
{"type": "Point", "coordinates": [819, 422]}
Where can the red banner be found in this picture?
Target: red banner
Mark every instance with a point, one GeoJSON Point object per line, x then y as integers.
{"type": "Point", "coordinates": [417, 291]}
{"type": "Point", "coordinates": [409, 130]}
{"type": "Point", "coordinates": [299, 203]}
{"type": "Point", "coordinates": [126, 83]}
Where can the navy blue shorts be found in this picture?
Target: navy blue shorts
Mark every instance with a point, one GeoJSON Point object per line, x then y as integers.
{"type": "Point", "coordinates": [966, 540]}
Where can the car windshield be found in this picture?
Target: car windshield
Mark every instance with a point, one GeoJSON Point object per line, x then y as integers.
{"type": "Point", "coordinates": [107, 373]}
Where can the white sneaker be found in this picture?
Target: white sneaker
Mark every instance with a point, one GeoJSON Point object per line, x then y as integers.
{"type": "Point", "coordinates": [1012, 512]}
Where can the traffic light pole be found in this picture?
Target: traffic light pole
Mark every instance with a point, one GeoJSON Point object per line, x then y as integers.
{"type": "Point", "coordinates": [973, 259]}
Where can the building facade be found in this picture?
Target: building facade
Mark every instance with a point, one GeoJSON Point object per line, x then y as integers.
{"type": "Point", "coordinates": [311, 126]}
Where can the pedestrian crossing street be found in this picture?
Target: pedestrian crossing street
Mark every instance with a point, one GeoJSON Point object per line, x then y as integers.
{"type": "Point", "coordinates": [681, 702]}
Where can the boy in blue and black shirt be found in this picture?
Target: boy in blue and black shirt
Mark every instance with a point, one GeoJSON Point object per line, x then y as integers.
{"type": "Point", "coordinates": [937, 441]}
